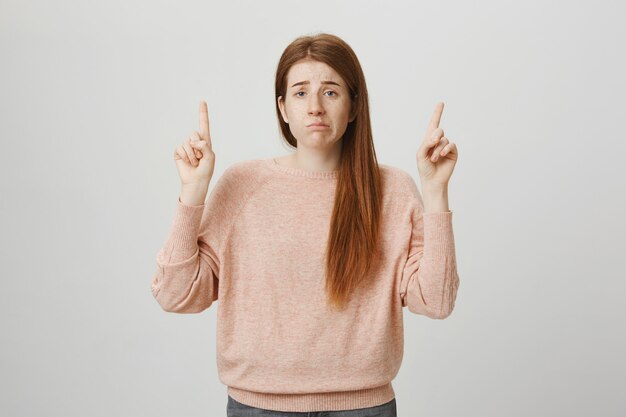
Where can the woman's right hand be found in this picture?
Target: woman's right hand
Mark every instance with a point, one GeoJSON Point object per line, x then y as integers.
{"type": "Point", "coordinates": [194, 158]}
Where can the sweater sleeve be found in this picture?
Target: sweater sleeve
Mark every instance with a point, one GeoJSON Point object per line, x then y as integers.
{"type": "Point", "coordinates": [188, 264]}
{"type": "Point", "coordinates": [430, 279]}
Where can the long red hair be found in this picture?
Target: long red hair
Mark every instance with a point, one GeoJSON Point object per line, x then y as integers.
{"type": "Point", "coordinates": [354, 227]}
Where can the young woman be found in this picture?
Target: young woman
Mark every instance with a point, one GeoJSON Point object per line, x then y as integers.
{"type": "Point", "coordinates": [312, 255]}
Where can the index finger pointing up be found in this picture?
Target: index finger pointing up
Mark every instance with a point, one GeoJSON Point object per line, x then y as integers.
{"type": "Point", "coordinates": [204, 122]}
{"type": "Point", "coordinates": [434, 121]}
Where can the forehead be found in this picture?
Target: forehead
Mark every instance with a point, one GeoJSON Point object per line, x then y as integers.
{"type": "Point", "coordinates": [313, 71]}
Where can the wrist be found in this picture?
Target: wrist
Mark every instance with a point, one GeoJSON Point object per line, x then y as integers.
{"type": "Point", "coordinates": [193, 194]}
{"type": "Point", "coordinates": [435, 198]}
{"type": "Point", "coordinates": [435, 189]}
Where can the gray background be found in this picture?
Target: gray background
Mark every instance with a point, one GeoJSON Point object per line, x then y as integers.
{"type": "Point", "coordinates": [95, 96]}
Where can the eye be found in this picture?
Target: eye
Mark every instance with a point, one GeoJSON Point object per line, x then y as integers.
{"type": "Point", "coordinates": [329, 91]}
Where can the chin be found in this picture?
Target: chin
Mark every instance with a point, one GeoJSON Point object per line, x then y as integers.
{"type": "Point", "coordinates": [317, 140]}
{"type": "Point", "coordinates": [317, 144]}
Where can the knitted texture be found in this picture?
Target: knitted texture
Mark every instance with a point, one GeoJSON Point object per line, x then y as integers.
{"type": "Point", "coordinates": [257, 247]}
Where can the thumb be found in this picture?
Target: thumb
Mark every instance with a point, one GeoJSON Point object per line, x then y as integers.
{"type": "Point", "coordinates": [200, 145]}
{"type": "Point", "coordinates": [426, 147]}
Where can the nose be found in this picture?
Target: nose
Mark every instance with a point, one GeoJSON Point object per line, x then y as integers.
{"type": "Point", "coordinates": [315, 105]}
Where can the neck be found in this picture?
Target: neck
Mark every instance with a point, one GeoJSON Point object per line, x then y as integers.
{"type": "Point", "coordinates": [316, 159]}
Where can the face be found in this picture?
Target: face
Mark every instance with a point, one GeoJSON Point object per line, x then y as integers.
{"type": "Point", "coordinates": [316, 93]}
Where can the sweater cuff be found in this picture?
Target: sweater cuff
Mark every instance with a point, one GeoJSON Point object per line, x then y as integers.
{"type": "Point", "coordinates": [438, 234]}
{"type": "Point", "coordinates": [186, 225]}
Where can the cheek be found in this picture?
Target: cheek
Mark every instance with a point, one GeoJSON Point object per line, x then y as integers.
{"type": "Point", "coordinates": [344, 114]}
{"type": "Point", "coordinates": [293, 109]}
{"type": "Point", "coordinates": [345, 109]}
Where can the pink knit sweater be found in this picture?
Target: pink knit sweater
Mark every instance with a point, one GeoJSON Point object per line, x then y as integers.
{"type": "Point", "coordinates": [257, 246]}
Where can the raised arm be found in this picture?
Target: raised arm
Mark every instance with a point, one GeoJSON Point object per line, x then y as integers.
{"type": "Point", "coordinates": [186, 279]}
{"type": "Point", "coordinates": [430, 279]}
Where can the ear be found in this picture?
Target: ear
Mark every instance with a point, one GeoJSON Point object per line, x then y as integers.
{"type": "Point", "coordinates": [281, 106]}
{"type": "Point", "coordinates": [353, 111]}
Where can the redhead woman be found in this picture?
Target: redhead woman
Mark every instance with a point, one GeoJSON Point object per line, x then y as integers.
{"type": "Point", "coordinates": [312, 256]}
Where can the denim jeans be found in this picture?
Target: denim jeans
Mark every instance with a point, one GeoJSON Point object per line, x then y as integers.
{"type": "Point", "coordinates": [237, 409]}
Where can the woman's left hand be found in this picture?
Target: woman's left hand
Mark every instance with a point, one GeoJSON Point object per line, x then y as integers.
{"type": "Point", "coordinates": [437, 156]}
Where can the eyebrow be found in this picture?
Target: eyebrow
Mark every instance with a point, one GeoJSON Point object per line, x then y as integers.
{"type": "Point", "coordinates": [308, 82]}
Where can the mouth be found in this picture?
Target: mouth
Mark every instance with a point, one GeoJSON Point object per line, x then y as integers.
{"type": "Point", "coordinates": [317, 125]}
